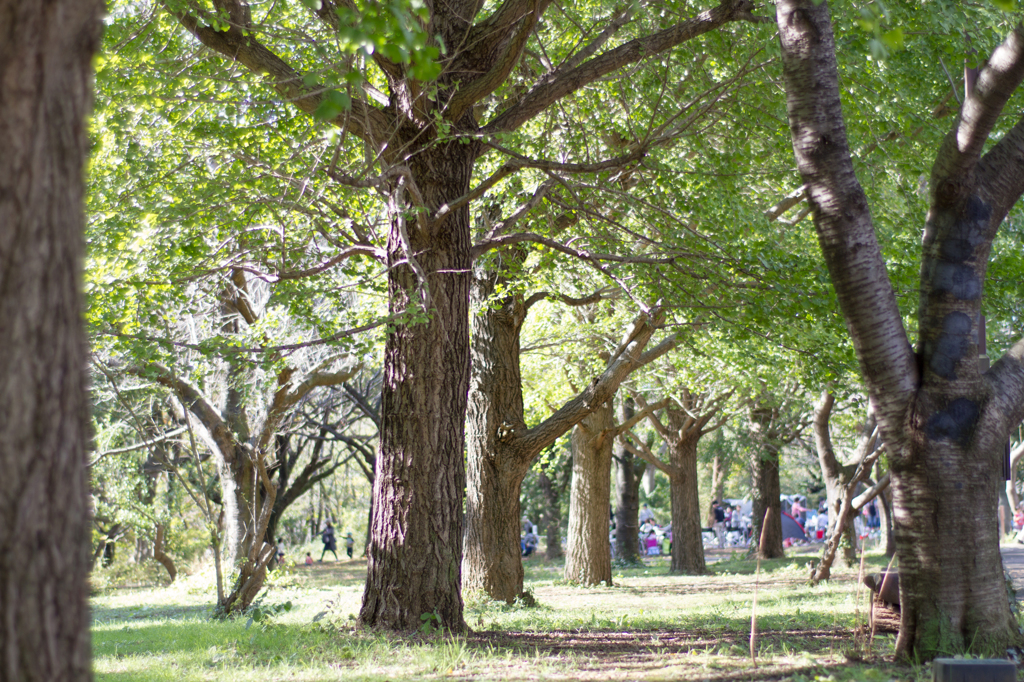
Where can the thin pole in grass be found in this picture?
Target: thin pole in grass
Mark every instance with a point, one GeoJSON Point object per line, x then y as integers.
{"type": "Point", "coordinates": [757, 579]}
{"type": "Point", "coordinates": [859, 629]}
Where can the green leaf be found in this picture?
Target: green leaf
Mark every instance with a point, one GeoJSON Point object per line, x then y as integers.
{"type": "Point", "coordinates": [333, 104]}
{"type": "Point", "coordinates": [894, 39]}
{"type": "Point", "coordinates": [1005, 5]}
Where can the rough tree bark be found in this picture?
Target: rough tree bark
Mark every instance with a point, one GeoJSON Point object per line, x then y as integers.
{"type": "Point", "coordinates": [765, 488]}
{"type": "Point", "coordinates": [46, 52]}
{"type": "Point", "coordinates": [944, 422]}
{"type": "Point", "coordinates": [588, 555]}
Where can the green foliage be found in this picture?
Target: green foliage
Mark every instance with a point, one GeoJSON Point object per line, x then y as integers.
{"type": "Point", "coordinates": [263, 614]}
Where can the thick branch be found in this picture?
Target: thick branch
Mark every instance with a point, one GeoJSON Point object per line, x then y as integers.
{"type": "Point", "coordinates": [841, 216]}
{"type": "Point", "coordinates": [195, 402]}
{"type": "Point", "coordinates": [365, 121]}
{"type": "Point", "coordinates": [962, 148]}
{"type": "Point", "coordinates": [562, 83]}
{"type": "Point", "coordinates": [644, 453]}
{"type": "Point", "coordinates": [520, 237]}
{"type": "Point", "coordinates": [602, 388]}
{"type": "Point", "coordinates": [526, 13]}
{"type": "Point", "coordinates": [289, 393]}
{"type": "Point", "coordinates": [871, 493]}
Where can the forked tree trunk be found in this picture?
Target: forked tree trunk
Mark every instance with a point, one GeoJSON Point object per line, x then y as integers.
{"type": "Point", "coordinates": [945, 424]}
{"type": "Point", "coordinates": [841, 483]}
{"type": "Point", "coordinates": [588, 557]}
{"type": "Point", "coordinates": [687, 539]}
{"type": "Point", "coordinates": [500, 448]}
{"type": "Point", "coordinates": [415, 555]}
{"type": "Point", "coordinates": [46, 52]}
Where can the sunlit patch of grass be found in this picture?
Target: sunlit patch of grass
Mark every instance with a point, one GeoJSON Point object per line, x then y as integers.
{"type": "Point", "coordinates": [647, 625]}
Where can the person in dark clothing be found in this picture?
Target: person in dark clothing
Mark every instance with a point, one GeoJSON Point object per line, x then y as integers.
{"type": "Point", "coordinates": [330, 544]}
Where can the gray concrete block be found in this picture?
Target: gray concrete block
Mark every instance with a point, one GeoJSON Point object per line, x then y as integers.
{"type": "Point", "coordinates": [973, 670]}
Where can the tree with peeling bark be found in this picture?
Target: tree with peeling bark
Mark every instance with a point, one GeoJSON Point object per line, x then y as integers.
{"type": "Point", "coordinates": [688, 416]}
{"type": "Point", "coordinates": [944, 420]}
{"type": "Point", "coordinates": [46, 52]}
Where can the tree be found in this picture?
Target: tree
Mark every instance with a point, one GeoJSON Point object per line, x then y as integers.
{"type": "Point", "coordinates": [46, 52]}
{"type": "Point", "coordinates": [629, 471]}
{"type": "Point", "coordinates": [454, 83]}
{"type": "Point", "coordinates": [944, 421]}
{"type": "Point", "coordinates": [775, 421]}
{"type": "Point", "coordinates": [688, 418]}
{"type": "Point", "coordinates": [841, 483]}
{"type": "Point", "coordinates": [501, 447]}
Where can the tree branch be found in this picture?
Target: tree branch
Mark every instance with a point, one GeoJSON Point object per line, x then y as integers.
{"type": "Point", "coordinates": [363, 120]}
{"type": "Point", "coordinates": [561, 83]}
{"type": "Point", "coordinates": [644, 453]}
{"type": "Point", "coordinates": [962, 147]}
{"type": "Point", "coordinates": [602, 388]}
{"type": "Point", "coordinates": [841, 215]}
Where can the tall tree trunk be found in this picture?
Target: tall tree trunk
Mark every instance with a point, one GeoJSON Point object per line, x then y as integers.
{"type": "Point", "coordinates": [588, 559]}
{"type": "Point", "coordinates": [496, 462]}
{"type": "Point", "coordinates": [415, 556]}
{"type": "Point", "coordinates": [765, 493]}
{"type": "Point", "coordinates": [951, 591]}
{"type": "Point", "coordinates": [687, 540]}
{"type": "Point", "coordinates": [628, 471]}
{"type": "Point", "coordinates": [500, 447]}
{"type": "Point", "coordinates": [945, 424]}
{"type": "Point", "coordinates": [46, 52]}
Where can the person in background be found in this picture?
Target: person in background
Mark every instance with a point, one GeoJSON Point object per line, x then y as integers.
{"type": "Point", "coordinates": [330, 543]}
{"type": "Point", "coordinates": [719, 526]}
{"type": "Point", "coordinates": [530, 543]}
{"type": "Point", "coordinates": [646, 515]}
{"type": "Point", "coordinates": [309, 559]}
{"type": "Point", "coordinates": [350, 543]}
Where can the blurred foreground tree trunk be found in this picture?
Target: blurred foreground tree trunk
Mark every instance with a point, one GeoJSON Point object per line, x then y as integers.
{"type": "Point", "coordinates": [46, 52]}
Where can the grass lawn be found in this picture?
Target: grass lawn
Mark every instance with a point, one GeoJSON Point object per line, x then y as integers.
{"type": "Point", "coordinates": [648, 626]}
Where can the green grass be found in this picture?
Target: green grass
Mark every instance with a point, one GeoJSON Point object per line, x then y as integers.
{"type": "Point", "coordinates": [648, 625]}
